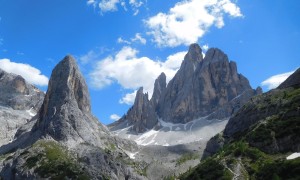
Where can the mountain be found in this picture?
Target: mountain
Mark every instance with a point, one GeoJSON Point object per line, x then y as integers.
{"type": "Point", "coordinates": [203, 87]}
{"type": "Point", "coordinates": [64, 140]}
{"type": "Point", "coordinates": [260, 141]}
{"type": "Point", "coordinates": [19, 102]}
{"type": "Point", "coordinates": [66, 111]}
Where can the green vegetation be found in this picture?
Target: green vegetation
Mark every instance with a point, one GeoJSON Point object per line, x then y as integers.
{"type": "Point", "coordinates": [186, 157]}
{"type": "Point", "coordinates": [54, 162]}
{"type": "Point", "coordinates": [256, 164]}
{"type": "Point", "coordinates": [210, 169]}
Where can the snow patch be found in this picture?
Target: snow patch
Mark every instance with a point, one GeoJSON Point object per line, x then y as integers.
{"type": "Point", "coordinates": [31, 112]}
{"type": "Point", "coordinates": [145, 140]}
{"type": "Point", "coordinates": [293, 156]}
{"type": "Point", "coordinates": [131, 155]}
{"type": "Point", "coordinates": [177, 129]}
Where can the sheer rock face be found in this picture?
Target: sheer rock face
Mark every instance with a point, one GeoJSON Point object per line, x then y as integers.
{"type": "Point", "coordinates": [66, 112]}
{"type": "Point", "coordinates": [291, 81]}
{"type": "Point", "coordinates": [159, 89]}
{"type": "Point", "coordinates": [141, 115]}
{"type": "Point", "coordinates": [17, 94]}
{"type": "Point", "coordinates": [19, 101]}
{"type": "Point", "coordinates": [202, 87]}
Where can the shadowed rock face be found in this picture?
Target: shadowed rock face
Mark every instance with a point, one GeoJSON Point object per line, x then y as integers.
{"type": "Point", "coordinates": [159, 88]}
{"type": "Point", "coordinates": [141, 115]}
{"type": "Point", "coordinates": [203, 87]}
{"type": "Point", "coordinates": [209, 86]}
{"type": "Point", "coordinates": [17, 94]}
{"type": "Point", "coordinates": [66, 112]}
{"type": "Point", "coordinates": [291, 81]}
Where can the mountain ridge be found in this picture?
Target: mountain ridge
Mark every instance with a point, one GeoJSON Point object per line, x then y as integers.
{"type": "Point", "coordinates": [208, 86]}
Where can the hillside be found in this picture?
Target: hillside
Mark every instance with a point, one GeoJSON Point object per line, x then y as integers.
{"type": "Point", "coordinates": [258, 141]}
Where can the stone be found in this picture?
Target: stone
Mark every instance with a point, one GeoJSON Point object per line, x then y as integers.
{"type": "Point", "coordinates": [292, 81]}
{"type": "Point", "coordinates": [202, 87]}
{"type": "Point", "coordinates": [159, 89]}
{"type": "Point", "coordinates": [66, 111]}
{"type": "Point", "coordinates": [142, 114]}
{"type": "Point", "coordinates": [19, 102]}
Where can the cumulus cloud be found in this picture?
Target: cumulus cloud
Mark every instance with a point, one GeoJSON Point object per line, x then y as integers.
{"type": "Point", "coordinates": [112, 5]}
{"type": "Point", "coordinates": [91, 55]}
{"type": "Point", "coordinates": [114, 117]}
{"type": "Point", "coordinates": [189, 20]}
{"type": "Point", "coordinates": [132, 72]}
{"type": "Point", "coordinates": [274, 81]}
{"type": "Point", "coordinates": [136, 39]}
{"type": "Point", "coordinates": [108, 5]}
{"type": "Point", "coordinates": [128, 98]}
{"type": "Point", "coordinates": [29, 73]}
{"type": "Point", "coordinates": [205, 47]}
{"type": "Point", "coordinates": [121, 40]}
{"type": "Point", "coordinates": [139, 38]}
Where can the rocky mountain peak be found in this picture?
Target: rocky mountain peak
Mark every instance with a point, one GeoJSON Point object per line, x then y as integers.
{"type": "Point", "coordinates": [17, 93]}
{"type": "Point", "coordinates": [159, 88]}
{"type": "Point", "coordinates": [203, 88]}
{"type": "Point", "coordinates": [292, 81]}
{"type": "Point", "coordinates": [141, 116]}
{"type": "Point", "coordinates": [209, 87]}
{"type": "Point", "coordinates": [214, 55]}
{"type": "Point", "coordinates": [194, 53]}
{"type": "Point", "coordinates": [65, 114]}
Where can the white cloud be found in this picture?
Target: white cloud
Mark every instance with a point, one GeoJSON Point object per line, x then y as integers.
{"type": "Point", "coordinates": [174, 61]}
{"type": "Point", "coordinates": [29, 73]}
{"type": "Point", "coordinates": [112, 5]}
{"type": "Point", "coordinates": [189, 20]}
{"type": "Point", "coordinates": [91, 2]}
{"type": "Point", "coordinates": [274, 81]}
{"type": "Point", "coordinates": [121, 40]}
{"type": "Point", "coordinates": [108, 5]}
{"type": "Point", "coordinates": [91, 55]}
{"type": "Point", "coordinates": [132, 72]}
{"type": "Point", "coordinates": [114, 117]}
{"type": "Point", "coordinates": [139, 38]}
{"type": "Point", "coordinates": [128, 98]}
{"type": "Point", "coordinates": [205, 47]}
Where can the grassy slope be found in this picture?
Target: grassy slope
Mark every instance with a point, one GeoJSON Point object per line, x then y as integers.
{"type": "Point", "coordinates": [251, 149]}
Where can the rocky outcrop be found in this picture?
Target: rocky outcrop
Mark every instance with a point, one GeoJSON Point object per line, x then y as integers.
{"type": "Point", "coordinates": [203, 87]}
{"type": "Point", "coordinates": [66, 112]}
{"type": "Point", "coordinates": [17, 94]}
{"type": "Point", "coordinates": [159, 89]}
{"type": "Point", "coordinates": [65, 127]}
{"type": "Point", "coordinates": [270, 121]}
{"type": "Point", "coordinates": [141, 115]}
{"type": "Point", "coordinates": [291, 81]}
{"type": "Point", "coordinates": [19, 101]}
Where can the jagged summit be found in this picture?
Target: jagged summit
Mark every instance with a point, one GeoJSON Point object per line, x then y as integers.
{"type": "Point", "coordinates": [17, 93]}
{"type": "Point", "coordinates": [65, 114]}
{"type": "Point", "coordinates": [194, 53]}
{"type": "Point", "coordinates": [203, 87]}
{"type": "Point", "coordinates": [159, 88]}
{"type": "Point", "coordinates": [142, 114]}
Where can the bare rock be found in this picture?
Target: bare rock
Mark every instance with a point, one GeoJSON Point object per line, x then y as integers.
{"type": "Point", "coordinates": [292, 81]}
{"type": "Point", "coordinates": [141, 115]}
{"type": "Point", "coordinates": [66, 112]}
{"type": "Point", "coordinates": [202, 87]}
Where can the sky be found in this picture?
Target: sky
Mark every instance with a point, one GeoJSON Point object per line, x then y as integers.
{"type": "Point", "coordinates": [121, 45]}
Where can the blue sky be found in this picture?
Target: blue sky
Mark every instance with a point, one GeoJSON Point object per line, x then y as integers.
{"type": "Point", "coordinates": [121, 45]}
